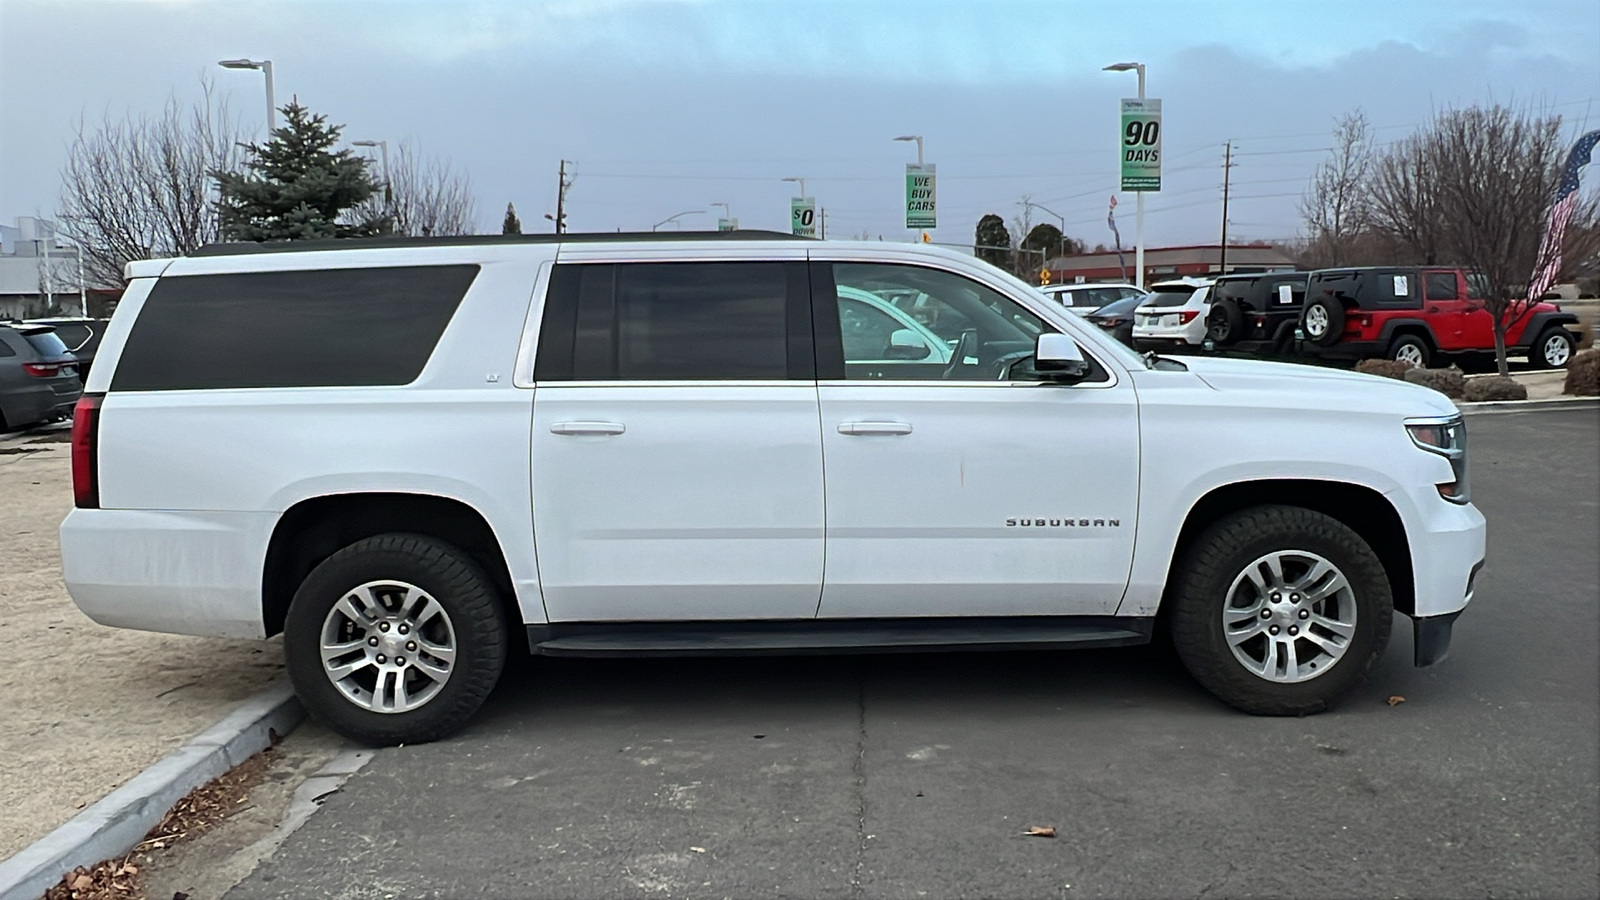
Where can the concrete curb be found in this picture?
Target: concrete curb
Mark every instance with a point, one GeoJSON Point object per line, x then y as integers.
{"type": "Point", "coordinates": [1528, 405]}
{"type": "Point", "coordinates": [113, 825]}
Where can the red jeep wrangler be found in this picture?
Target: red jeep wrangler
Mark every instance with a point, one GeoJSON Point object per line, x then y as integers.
{"type": "Point", "coordinates": [1417, 314]}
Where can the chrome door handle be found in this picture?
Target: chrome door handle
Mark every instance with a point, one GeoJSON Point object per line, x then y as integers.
{"type": "Point", "coordinates": [587, 428]}
{"type": "Point", "coordinates": [875, 428]}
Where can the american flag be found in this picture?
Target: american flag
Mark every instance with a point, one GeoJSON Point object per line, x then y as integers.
{"type": "Point", "coordinates": [1549, 266]}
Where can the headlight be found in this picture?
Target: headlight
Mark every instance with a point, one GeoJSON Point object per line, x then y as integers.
{"type": "Point", "coordinates": [1448, 438]}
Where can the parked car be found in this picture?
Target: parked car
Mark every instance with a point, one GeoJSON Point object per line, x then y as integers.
{"type": "Point", "coordinates": [1086, 298]}
{"type": "Point", "coordinates": [81, 335]}
{"type": "Point", "coordinates": [649, 444]}
{"type": "Point", "coordinates": [1421, 315]}
{"type": "Point", "coordinates": [1256, 313]}
{"type": "Point", "coordinates": [1117, 318]}
{"type": "Point", "coordinates": [38, 376]}
{"type": "Point", "coordinates": [1173, 315]}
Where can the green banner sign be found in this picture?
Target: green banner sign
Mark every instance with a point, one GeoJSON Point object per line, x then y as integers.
{"type": "Point", "coordinates": [1141, 145]}
{"type": "Point", "coordinates": [803, 216]}
{"type": "Point", "coordinates": [922, 196]}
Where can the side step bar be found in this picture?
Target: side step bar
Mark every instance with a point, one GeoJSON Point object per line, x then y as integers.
{"type": "Point", "coordinates": [826, 636]}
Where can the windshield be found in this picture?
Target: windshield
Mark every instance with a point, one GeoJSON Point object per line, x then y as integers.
{"type": "Point", "coordinates": [1170, 295]}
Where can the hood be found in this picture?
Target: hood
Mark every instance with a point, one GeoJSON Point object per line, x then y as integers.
{"type": "Point", "coordinates": [1338, 387]}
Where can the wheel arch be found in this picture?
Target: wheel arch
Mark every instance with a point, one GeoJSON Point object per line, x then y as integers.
{"type": "Point", "coordinates": [315, 528]}
{"type": "Point", "coordinates": [1395, 328]}
{"type": "Point", "coordinates": [1362, 509]}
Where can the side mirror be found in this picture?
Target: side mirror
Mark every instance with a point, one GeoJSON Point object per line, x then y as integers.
{"type": "Point", "coordinates": [1057, 358]}
{"type": "Point", "coordinates": [905, 344]}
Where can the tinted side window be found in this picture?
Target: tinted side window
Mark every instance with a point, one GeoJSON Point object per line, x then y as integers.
{"type": "Point", "coordinates": [73, 334]}
{"type": "Point", "coordinates": [676, 322]}
{"type": "Point", "coordinates": [1441, 286]}
{"type": "Point", "coordinates": [321, 328]}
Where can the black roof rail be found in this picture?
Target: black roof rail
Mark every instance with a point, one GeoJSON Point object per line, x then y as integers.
{"type": "Point", "coordinates": [470, 240]}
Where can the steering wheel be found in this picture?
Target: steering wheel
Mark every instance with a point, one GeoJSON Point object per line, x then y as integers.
{"type": "Point", "coordinates": [967, 346]}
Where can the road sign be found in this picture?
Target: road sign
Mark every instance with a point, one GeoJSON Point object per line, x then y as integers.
{"type": "Point", "coordinates": [922, 196]}
{"type": "Point", "coordinates": [803, 216]}
{"type": "Point", "coordinates": [1141, 145]}
{"type": "Point", "coordinates": [727, 224]}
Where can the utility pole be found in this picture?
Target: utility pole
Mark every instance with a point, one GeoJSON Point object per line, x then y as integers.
{"type": "Point", "coordinates": [1227, 166]}
{"type": "Point", "coordinates": [822, 221]}
{"type": "Point", "coordinates": [560, 218]}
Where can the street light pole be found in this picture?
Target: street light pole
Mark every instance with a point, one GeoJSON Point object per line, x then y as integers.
{"type": "Point", "coordinates": [674, 218]}
{"type": "Point", "coordinates": [802, 186]}
{"type": "Point", "coordinates": [1061, 243]}
{"type": "Point", "coordinates": [918, 139]}
{"type": "Point", "coordinates": [265, 66]}
{"type": "Point", "coordinates": [1138, 228]}
{"type": "Point", "coordinates": [727, 212]}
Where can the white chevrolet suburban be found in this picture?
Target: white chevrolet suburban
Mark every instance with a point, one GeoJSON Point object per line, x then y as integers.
{"type": "Point", "coordinates": [407, 455]}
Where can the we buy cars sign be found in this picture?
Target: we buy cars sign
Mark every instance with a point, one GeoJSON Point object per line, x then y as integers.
{"type": "Point", "coordinates": [922, 196]}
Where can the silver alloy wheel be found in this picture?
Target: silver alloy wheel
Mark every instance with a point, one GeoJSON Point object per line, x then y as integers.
{"type": "Point", "coordinates": [388, 646]}
{"type": "Point", "coordinates": [1290, 616]}
{"type": "Point", "coordinates": [1410, 354]}
{"type": "Point", "coordinates": [1557, 351]}
{"type": "Point", "coordinates": [1316, 321]}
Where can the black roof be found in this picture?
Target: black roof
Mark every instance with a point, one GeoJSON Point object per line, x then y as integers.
{"type": "Point", "coordinates": [466, 240]}
{"type": "Point", "coordinates": [1253, 276]}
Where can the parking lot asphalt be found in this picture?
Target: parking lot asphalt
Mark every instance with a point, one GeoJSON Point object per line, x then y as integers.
{"type": "Point", "coordinates": [911, 776]}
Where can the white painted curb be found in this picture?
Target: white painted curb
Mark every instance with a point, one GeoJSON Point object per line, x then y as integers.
{"type": "Point", "coordinates": [1527, 405]}
{"type": "Point", "coordinates": [116, 823]}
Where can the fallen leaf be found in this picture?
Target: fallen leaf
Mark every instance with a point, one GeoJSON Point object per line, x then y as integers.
{"type": "Point", "coordinates": [1041, 831]}
{"type": "Point", "coordinates": [81, 883]}
{"type": "Point", "coordinates": [131, 870]}
{"type": "Point", "coordinates": [1396, 700]}
{"type": "Point", "coordinates": [698, 849]}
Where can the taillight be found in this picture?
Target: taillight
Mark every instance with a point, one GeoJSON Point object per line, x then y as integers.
{"type": "Point", "coordinates": [1186, 316]}
{"type": "Point", "coordinates": [42, 370]}
{"type": "Point", "coordinates": [85, 451]}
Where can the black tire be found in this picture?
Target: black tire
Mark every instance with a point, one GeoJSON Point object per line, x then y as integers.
{"type": "Point", "coordinates": [1330, 311]}
{"type": "Point", "coordinates": [1222, 553]}
{"type": "Point", "coordinates": [1225, 323]}
{"type": "Point", "coordinates": [1545, 355]}
{"type": "Point", "coordinates": [1407, 344]}
{"type": "Point", "coordinates": [454, 581]}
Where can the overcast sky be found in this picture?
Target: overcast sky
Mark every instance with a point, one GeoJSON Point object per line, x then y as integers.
{"type": "Point", "coordinates": [670, 106]}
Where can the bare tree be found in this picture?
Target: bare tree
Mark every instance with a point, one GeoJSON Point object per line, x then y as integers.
{"type": "Point", "coordinates": [1335, 206]}
{"type": "Point", "coordinates": [425, 195]}
{"type": "Point", "coordinates": [1497, 171]}
{"type": "Point", "coordinates": [140, 187]}
{"type": "Point", "coordinates": [1403, 206]}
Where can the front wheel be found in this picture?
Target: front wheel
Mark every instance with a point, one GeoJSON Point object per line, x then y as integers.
{"type": "Point", "coordinates": [1553, 349]}
{"type": "Point", "coordinates": [1280, 610]}
{"type": "Point", "coordinates": [395, 639]}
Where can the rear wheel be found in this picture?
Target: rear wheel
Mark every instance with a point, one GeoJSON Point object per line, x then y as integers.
{"type": "Point", "coordinates": [1409, 349]}
{"type": "Point", "coordinates": [395, 639]}
{"type": "Point", "coordinates": [1225, 324]}
{"type": "Point", "coordinates": [1553, 349]}
{"type": "Point", "coordinates": [1323, 321]}
{"type": "Point", "coordinates": [1280, 610]}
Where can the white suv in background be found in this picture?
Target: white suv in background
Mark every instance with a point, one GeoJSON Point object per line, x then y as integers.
{"type": "Point", "coordinates": [412, 456]}
{"type": "Point", "coordinates": [1173, 316]}
{"type": "Point", "coordinates": [1086, 298]}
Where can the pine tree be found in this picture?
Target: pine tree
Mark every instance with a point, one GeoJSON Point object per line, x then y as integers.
{"type": "Point", "coordinates": [296, 187]}
{"type": "Point", "coordinates": [992, 240]}
{"type": "Point", "coordinates": [512, 224]}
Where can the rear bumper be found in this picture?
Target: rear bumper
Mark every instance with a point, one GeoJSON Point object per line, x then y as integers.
{"type": "Point", "coordinates": [181, 572]}
{"type": "Point", "coordinates": [41, 402]}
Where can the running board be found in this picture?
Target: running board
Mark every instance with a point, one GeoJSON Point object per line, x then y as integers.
{"type": "Point", "coordinates": [826, 636]}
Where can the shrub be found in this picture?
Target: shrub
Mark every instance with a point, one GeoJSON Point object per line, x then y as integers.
{"type": "Point", "coordinates": [1451, 382]}
{"type": "Point", "coordinates": [1583, 374]}
{"type": "Point", "coordinates": [1493, 387]}
{"type": "Point", "coordinates": [1388, 368]}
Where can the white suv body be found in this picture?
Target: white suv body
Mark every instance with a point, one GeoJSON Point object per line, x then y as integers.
{"type": "Point", "coordinates": [624, 471]}
{"type": "Point", "coordinates": [1174, 315]}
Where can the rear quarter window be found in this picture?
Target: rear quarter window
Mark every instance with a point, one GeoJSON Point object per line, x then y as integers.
{"type": "Point", "coordinates": [318, 328]}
